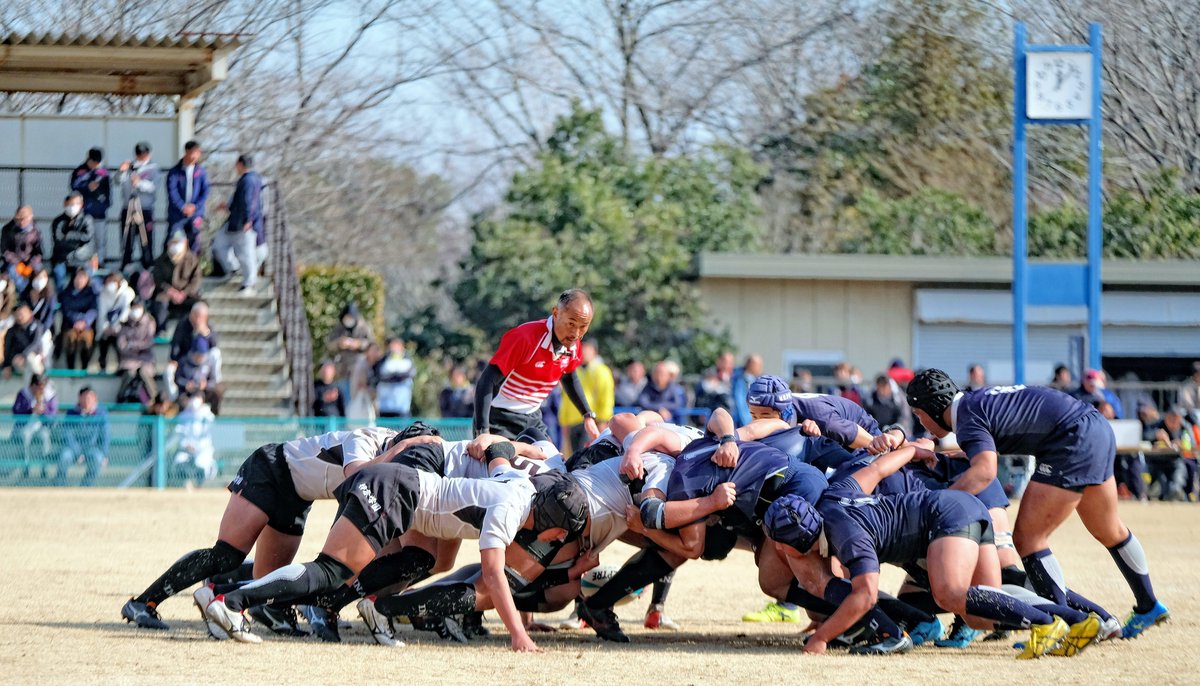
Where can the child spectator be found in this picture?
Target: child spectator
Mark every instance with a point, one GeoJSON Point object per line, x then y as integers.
{"type": "Point", "coordinates": [80, 305]}
{"type": "Point", "coordinates": [86, 433]}
{"type": "Point", "coordinates": [328, 400]}
{"type": "Point", "coordinates": [21, 246]}
{"type": "Point", "coordinates": [195, 459]}
{"type": "Point", "coordinates": [394, 381]}
{"type": "Point", "coordinates": [74, 238]}
{"type": "Point", "coordinates": [34, 406]}
{"type": "Point", "coordinates": [112, 313]}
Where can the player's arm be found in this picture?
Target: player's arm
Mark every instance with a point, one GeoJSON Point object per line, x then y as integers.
{"type": "Point", "coordinates": [759, 429]}
{"type": "Point", "coordinates": [862, 438]}
{"type": "Point", "coordinates": [887, 464]}
{"type": "Point", "coordinates": [386, 456]}
{"type": "Point", "coordinates": [652, 438]}
{"type": "Point", "coordinates": [492, 576]}
{"type": "Point", "coordinates": [720, 424]}
{"type": "Point", "coordinates": [485, 390]}
{"type": "Point", "coordinates": [687, 542]}
{"type": "Point", "coordinates": [980, 474]}
{"type": "Point", "coordinates": [848, 433]}
{"type": "Point", "coordinates": [655, 513]}
{"type": "Point", "coordinates": [864, 594]}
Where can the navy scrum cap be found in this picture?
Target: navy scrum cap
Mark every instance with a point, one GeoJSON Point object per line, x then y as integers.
{"type": "Point", "coordinates": [791, 520]}
{"type": "Point", "coordinates": [773, 392]}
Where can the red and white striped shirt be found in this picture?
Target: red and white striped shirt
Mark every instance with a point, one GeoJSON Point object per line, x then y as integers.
{"type": "Point", "coordinates": [531, 366]}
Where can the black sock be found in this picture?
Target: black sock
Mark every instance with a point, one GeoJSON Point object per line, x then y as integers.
{"type": "Point", "coordinates": [193, 567]}
{"type": "Point", "coordinates": [286, 584]}
{"type": "Point", "coordinates": [991, 603]}
{"type": "Point", "coordinates": [922, 600]}
{"type": "Point", "coordinates": [902, 612]}
{"type": "Point", "coordinates": [640, 570]}
{"type": "Point", "coordinates": [434, 600]}
{"type": "Point", "coordinates": [229, 586]}
{"type": "Point", "coordinates": [1014, 576]}
{"type": "Point", "coordinates": [531, 601]}
{"type": "Point", "coordinates": [403, 567]}
{"type": "Point", "coordinates": [244, 573]}
{"type": "Point", "coordinates": [661, 588]}
{"type": "Point", "coordinates": [798, 596]}
{"type": "Point", "coordinates": [837, 590]}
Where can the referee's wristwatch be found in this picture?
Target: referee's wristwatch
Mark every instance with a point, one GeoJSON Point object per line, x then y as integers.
{"type": "Point", "coordinates": [589, 415]}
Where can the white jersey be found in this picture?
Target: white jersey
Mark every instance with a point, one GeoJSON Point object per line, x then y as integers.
{"type": "Point", "coordinates": [686, 434]}
{"type": "Point", "coordinates": [608, 496]}
{"type": "Point", "coordinates": [492, 510]}
{"type": "Point", "coordinates": [316, 462]}
{"type": "Point", "coordinates": [460, 465]}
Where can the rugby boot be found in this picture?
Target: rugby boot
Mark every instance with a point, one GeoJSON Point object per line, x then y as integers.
{"type": "Point", "coordinates": [202, 597]}
{"type": "Point", "coordinates": [1043, 638]}
{"type": "Point", "coordinates": [1079, 637]}
{"type": "Point", "coordinates": [604, 623]}
{"type": "Point", "coordinates": [143, 615]}
{"type": "Point", "coordinates": [1136, 623]}
{"type": "Point", "coordinates": [236, 624]}
{"type": "Point", "coordinates": [281, 621]}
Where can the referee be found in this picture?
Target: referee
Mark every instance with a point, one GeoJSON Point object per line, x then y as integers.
{"type": "Point", "coordinates": [531, 360]}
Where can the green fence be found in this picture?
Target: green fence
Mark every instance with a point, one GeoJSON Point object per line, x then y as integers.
{"type": "Point", "coordinates": [123, 451]}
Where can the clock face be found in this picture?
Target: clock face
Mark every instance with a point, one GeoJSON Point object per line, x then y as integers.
{"type": "Point", "coordinates": [1058, 85]}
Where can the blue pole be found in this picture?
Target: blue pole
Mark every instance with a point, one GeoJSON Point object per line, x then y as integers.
{"type": "Point", "coordinates": [1020, 221]}
{"type": "Point", "coordinates": [1095, 204]}
{"type": "Point", "coordinates": [160, 452]}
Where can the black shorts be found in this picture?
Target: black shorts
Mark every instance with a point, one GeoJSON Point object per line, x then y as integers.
{"type": "Point", "coordinates": [511, 424]}
{"type": "Point", "coordinates": [265, 480]}
{"type": "Point", "coordinates": [593, 454]}
{"type": "Point", "coordinates": [380, 501]}
{"type": "Point", "coordinates": [427, 457]}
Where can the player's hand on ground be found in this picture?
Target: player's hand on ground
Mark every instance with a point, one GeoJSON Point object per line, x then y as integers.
{"type": "Point", "coordinates": [814, 647]}
{"type": "Point", "coordinates": [525, 644]}
{"type": "Point", "coordinates": [726, 455]}
{"type": "Point", "coordinates": [631, 466]}
{"type": "Point", "coordinates": [809, 428]}
{"type": "Point", "coordinates": [722, 496]}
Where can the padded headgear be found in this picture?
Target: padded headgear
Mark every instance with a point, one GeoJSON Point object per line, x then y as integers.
{"type": "Point", "coordinates": [932, 391]}
{"type": "Point", "coordinates": [417, 429]}
{"type": "Point", "coordinates": [771, 391]}
{"type": "Point", "coordinates": [533, 435]}
{"type": "Point", "coordinates": [791, 520]}
{"type": "Point", "coordinates": [558, 503]}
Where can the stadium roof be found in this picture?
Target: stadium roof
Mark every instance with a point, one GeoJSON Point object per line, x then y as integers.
{"type": "Point", "coordinates": [185, 65]}
{"type": "Point", "coordinates": [925, 269]}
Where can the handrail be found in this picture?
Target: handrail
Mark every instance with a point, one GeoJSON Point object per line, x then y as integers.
{"type": "Point", "coordinates": [293, 319]}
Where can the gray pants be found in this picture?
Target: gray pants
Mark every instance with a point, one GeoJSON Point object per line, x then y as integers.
{"type": "Point", "coordinates": [237, 251]}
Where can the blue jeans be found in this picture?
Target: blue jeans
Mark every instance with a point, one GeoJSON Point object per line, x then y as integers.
{"type": "Point", "coordinates": [92, 456]}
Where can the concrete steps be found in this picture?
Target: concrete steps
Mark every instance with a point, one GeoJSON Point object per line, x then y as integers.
{"type": "Point", "coordinates": [254, 365]}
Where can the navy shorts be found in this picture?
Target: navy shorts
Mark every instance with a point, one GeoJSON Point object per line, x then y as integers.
{"type": "Point", "coordinates": [265, 480]}
{"type": "Point", "coordinates": [1081, 456]}
{"type": "Point", "coordinates": [958, 513]}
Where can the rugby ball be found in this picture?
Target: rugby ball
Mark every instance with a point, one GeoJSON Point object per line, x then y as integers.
{"type": "Point", "coordinates": [594, 579]}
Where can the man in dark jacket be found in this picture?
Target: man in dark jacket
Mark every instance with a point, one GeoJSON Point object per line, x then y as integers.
{"type": "Point", "coordinates": [176, 279]}
{"type": "Point", "coordinates": [73, 232]}
{"type": "Point", "coordinates": [23, 344]}
{"type": "Point", "coordinates": [235, 246]}
{"type": "Point", "coordinates": [92, 182]}
{"type": "Point", "coordinates": [663, 395]}
{"type": "Point", "coordinates": [187, 192]}
{"type": "Point", "coordinates": [80, 306]}
{"type": "Point", "coordinates": [197, 374]}
{"type": "Point", "coordinates": [328, 400]}
{"type": "Point", "coordinates": [87, 438]}
{"type": "Point", "coordinates": [21, 246]}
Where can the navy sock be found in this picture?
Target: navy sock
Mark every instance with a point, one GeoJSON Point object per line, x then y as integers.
{"type": "Point", "coordinates": [802, 598]}
{"type": "Point", "coordinates": [1068, 614]}
{"type": "Point", "coordinates": [1018, 577]}
{"type": "Point", "coordinates": [1045, 576]}
{"type": "Point", "coordinates": [922, 600]}
{"type": "Point", "coordinates": [1131, 560]}
{"type": "Point", "coordinates": [837, 590]}
{"type": "Point", "coordinates": [998, 606]}
{"type": "Point", "coordinates": [902, 612]}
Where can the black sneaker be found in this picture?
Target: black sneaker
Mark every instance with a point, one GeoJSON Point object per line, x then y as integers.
{"type": "Point", "coordinates": [472, 625]}
{"type": "Point", "coordinates": [143, 615]}
{"type": "Point", "coordinates": [896, 645]}
{"type": "Point", "coordinates": [998, 635]}
{"type": "Point", "coordinates": [281, 621]}
{"type": "Point", "coordinates": [324, 622]}
{"type": "Point", "coordinates": [604, 623]}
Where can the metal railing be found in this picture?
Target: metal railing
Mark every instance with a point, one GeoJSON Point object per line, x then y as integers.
{"type": "Point", "coordinates": [123, 451]}
{"type": "Point", "coordinates": [293, 319]}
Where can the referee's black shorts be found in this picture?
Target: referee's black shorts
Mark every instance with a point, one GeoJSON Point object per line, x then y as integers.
{"type": "Point", "coordinates": [511, 424]}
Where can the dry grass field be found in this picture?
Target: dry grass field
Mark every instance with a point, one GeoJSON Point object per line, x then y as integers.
{"type": "Point", "coordinates": [70, 558]}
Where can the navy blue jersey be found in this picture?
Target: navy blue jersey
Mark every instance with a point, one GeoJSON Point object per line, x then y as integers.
{"type": "Point", "coordinates": [696, 476]}
{"type": "Point", "coordinates": [864, 531]}
{"type": "Point", "coordinates": [1014, 420]}
{"type": "Point", "coordinates": [904, 480]}
{"type": "Point", "coordinates": [819, 451]}
{"type": "Point", "coordinates": [837, 417]}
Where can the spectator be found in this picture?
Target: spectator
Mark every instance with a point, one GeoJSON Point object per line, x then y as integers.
{"type": "Point", "coordinates": [596, 378]}
{"type": "Point", "coordinates": [21, 245]}
{"type": "Point", "coordinates": [802, 381]}
{"type": "Point", "coordinates": [1132, 392]}
{"type": "Point", "coordinates": [362, 384]}
{"type": "Point", "coordinates": [715, 388]}
{"type": "Point", "coordinates": [92, 183]}
{"type": "Point", "coordinates": [742, 378]}
{"type": "Point", "coordinates": [135, 356]}
{"type": "Point", "coordinates": [139, 182]}
{"type": "Point", "coordinates": [74, 240]}
{"type": "Point", "coordinates": [196, 374]}
{"type": "Point", "coordinates": [899, 373]}
{"type": "Point", "coordinates": [457, 397]}
{"type": "Point", "coordinates": [887, 405]}
{"type": "Point", "coordinates": [112, 313]}
{"type": "Point", "coordinates": [188, 330]}
{"type": "Point", "coordinates": [80, 305]}
{"type": "Point", "coordinates": [1173, 474]}
{"type": "Point", "coordinates": [976, 378]}
{"type": "Point", "coordinates": [8, 305]}
{"type": "Point", "coordinates": [394, 381]}
{"type": "Point", "coordinates": [844, 385]}
{"type": "Point", "coordinates": [631, 384]}
{"type": "Point", "coordinates": [1093, 388]}
{"type": "Point", "coordinates": [35, 405]}
{"type": "Point", "coordinates": [1189, 393]}
{"type": "Point", "coordinates": [663, 395]}
{"type": "Point", "coordinates": [328, 400]}
{"type": "Point", "coordinates": [235, 247]}
{"type": "Point", "coordinates": [1105, 409]}
{"type": "Point", "coordinates": [176, 280]}
{"type": "Point", "coordinates": [346, 343]}
{"type": "Point", "coordinates": [187, 193]}
{"type": "Point", "coordinates": [42, 298]}
{"type": "Point", "coordinates": [1062, 380]}
{"type": "Point", "coordinates": [1148, 416]}
{"type": "Point", "coordinates": [195, 458]}
{"type": "Point", "coordinates": [25, 346]}
{"type": "Point", "coordinates": [87, 439]}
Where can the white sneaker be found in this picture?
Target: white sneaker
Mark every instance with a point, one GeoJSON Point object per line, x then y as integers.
{"type": "Point", "coordinates": [202, 597]}
{"type": "Point", "coordinates": [571, 623]}
{"type": "Point", "coordinates": [1109, 629]}
{"type": "Point", "coordinates": [234, 623]}
{"type": "Point", "coordinates": [377, 623]}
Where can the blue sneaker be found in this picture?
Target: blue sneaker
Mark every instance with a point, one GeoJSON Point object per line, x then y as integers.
{"type": "Point", "coordinates": [927, 631]}
{"type": "Point", "coordinates": [1136, 623]}
{"type": "Point", "coordinates": [960, 637]}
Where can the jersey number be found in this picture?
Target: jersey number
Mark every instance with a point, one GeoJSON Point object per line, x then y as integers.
{"type": "Point", "coordinates": [528, 466]}
{"type": "Point", "coordinates": [1001, 390]}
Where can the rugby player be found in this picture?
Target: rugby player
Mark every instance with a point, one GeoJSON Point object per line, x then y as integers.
{"type": "Point", "coordinates": [1075, 450]}
{"type": "Point", "coordinates": [816, 414]}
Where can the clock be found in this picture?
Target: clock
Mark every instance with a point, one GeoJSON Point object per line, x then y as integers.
{"type": "Point", "coordinates": [1058, 85]}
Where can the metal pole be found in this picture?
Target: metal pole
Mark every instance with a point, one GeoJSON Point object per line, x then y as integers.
{"type": "Point", "coordinates": [1020, 220]}
{"type": "Point", "coordinates": [1095, 204]}
{"type": "Point", "coordinates": [160, 452]}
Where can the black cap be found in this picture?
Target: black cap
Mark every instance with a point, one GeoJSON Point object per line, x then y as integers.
{"type": "Point", "coordinates": [96, 154]}
{"type": "Point", "coordinates": [417, 429]}
{"type": "Point", "coordinates": [141, 148]}
{"type": "Point", "coordinates": [932, 391]}
{"type": "Point", "coordinates": [558, 503]}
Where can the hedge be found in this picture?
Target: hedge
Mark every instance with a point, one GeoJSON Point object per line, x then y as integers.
{"type": "Point", "coordinates": [326, 291]}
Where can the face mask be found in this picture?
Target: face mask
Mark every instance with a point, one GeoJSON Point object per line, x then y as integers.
{"type": "Point", "coordinates": [136, 313]}
{"type": "Point", "coordinates": [348, 322]}
{"type": "Point", "coordinates": [39, 283]}
{"type": "Point", "coordinates": [196, 402]}
{"type": "Point", "coordinates": [73, 210]}
{"type": "Point", "coordinates": [110, 288]}
{"type": "Point", "coordinates": [175, 249]}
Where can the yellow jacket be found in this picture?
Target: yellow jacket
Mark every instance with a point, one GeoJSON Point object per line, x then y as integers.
{"type": "Point", "coordinates": [597, 381]}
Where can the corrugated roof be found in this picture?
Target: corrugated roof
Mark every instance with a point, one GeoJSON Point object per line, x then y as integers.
{"type": "Point", "coordinates": [203, 41]}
